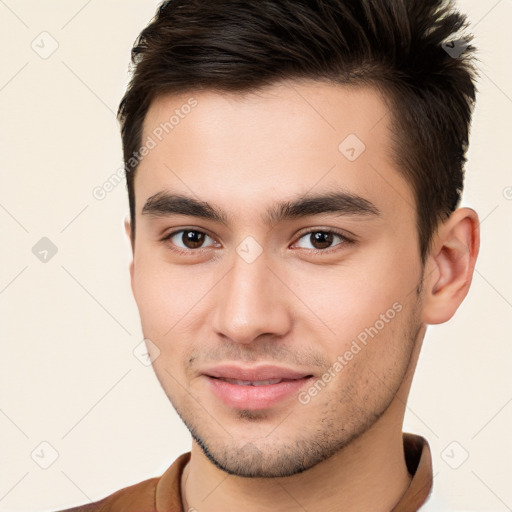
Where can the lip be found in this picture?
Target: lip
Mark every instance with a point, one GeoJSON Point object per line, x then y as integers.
{"type": "Point", "coordinates": [254, 397]}
{"type": "Point", "coordinates": [260, 372]}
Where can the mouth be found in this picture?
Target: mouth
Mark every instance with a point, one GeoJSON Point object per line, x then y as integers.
{"type": "Point", "coordinates": [254, 388]}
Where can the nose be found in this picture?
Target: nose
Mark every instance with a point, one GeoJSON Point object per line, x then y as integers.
{"type": "Point", "coordinates": [251, 303]}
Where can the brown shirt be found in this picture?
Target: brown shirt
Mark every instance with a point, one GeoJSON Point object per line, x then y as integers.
{"type": "Point", "coordinates": [163, 494]}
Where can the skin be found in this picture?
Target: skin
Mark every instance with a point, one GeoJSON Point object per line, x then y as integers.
{"type": "Point", "coordinates": [244, 153]}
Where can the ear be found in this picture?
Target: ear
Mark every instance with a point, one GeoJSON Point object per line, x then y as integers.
{"type": "Point", "coordinates": [450, 264]}
{"type": "Point", "coordinates": [128, 232]}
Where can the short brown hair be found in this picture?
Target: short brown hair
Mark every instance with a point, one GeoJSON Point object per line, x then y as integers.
{"type": "Point", "coordinates": [412, 50]}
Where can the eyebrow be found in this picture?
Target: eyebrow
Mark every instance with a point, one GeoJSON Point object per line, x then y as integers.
{"type": "Point", "coordinates": [163, 204]}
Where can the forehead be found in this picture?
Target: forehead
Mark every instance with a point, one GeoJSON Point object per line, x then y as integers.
{"type": "Point", "coordinates": [284, 140]}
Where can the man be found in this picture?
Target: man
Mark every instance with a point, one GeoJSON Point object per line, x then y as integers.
{"type": "Point", "coordinates": [294, 171]}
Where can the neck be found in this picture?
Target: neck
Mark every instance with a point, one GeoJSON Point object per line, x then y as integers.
{"type": "Point", "coordinates": [374, 461]}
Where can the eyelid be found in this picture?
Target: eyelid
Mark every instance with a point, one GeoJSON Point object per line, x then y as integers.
{"type": "Point", "coordinates": [185, 228]}
{"type": "Point", "coordinates": [341, 232]}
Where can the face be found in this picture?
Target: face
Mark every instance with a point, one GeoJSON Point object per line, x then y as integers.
{"type": "Point", "coordinates": [276, 269]}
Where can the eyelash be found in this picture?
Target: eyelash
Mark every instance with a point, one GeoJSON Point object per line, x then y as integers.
{"type": "Point", "coordinates": [344, 241]}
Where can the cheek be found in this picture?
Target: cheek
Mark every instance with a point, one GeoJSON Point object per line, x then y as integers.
{"type": "Point", "coordinates": [369, 368]}
{"type": "Point", "coordinates": [164, 293]}
{"type": "Point", "coordinates": [355, 291]}
{"type": "Point", "coordinates": [153, 302]}
{"type": "Point", "coordinates": [344, 301]}
{"type": "Point", "coordinates": [360, 316]}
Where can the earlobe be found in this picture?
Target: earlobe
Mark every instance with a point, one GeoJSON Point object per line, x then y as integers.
{"type": "Point", "coordinates": [450, 266]}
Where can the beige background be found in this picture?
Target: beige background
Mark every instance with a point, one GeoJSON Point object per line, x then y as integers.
{"type": "Point", "coordinates": [69, 326]}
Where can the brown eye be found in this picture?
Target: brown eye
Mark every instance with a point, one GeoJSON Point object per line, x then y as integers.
{"type": "Point", "coordinates": [321, 240]}
{"type": "Point", "coordinates": [192, 239]}
{"type": "Point", "coordinates": [188, 239]}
